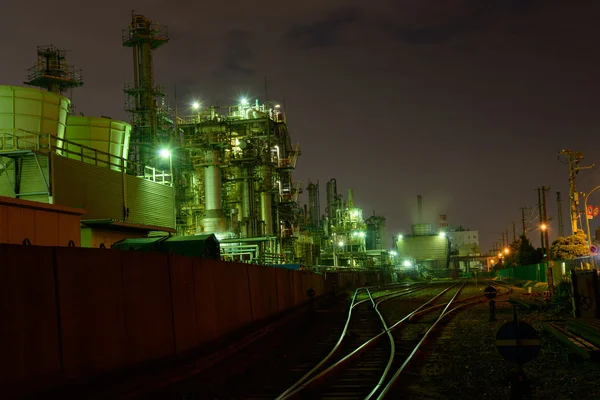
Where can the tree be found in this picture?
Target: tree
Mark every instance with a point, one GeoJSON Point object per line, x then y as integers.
{"type": "Point", "coordinates": [527, 254]}
{"type": "Point", "coordinates": [569, 247]}
{"type": "Point", "coordinates": [521, 252]}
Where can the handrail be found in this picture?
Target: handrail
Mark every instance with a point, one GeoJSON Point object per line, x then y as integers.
{"type": "Point", "coordinates": [34, 140]}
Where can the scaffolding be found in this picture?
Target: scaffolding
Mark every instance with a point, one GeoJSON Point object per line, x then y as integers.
{"type": "Point", "coordinates": [150, 126]}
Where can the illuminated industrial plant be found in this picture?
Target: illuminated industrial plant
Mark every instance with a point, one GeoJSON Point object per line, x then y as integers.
{"type": "Point", "coordinates": [222, 170]}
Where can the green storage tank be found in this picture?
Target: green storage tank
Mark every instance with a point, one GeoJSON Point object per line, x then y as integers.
{"type": "Point", "coordinates": [26, 113]}
{"type": "Point", "coordinates": [106, 135]}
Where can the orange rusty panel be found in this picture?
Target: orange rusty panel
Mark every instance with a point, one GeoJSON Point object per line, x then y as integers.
{"type": "Point", "coordinates": [43, 224]}
{"type": "Point", "coordinates": [21, 225]}
{"type": "Point", "coordinates": [29, 329]}
{"type": "Point", "coordinates": [263, 291]}
{"type": "Point", "coordinates": [232, 294]}
{"type": "Point", "coordinates": [91, 310]}
{"type": "Point", "coordinates": [206, 300]}
{"type": "Point", "coordinates": [147, 298]}
{"type": "Point", "coordinates": [4, 236]}
{"type": "Point", "coordinates": [69, 229]}
{"type": "Point", "coordinates": [46, 228]}
{"type": "Point", "coordinates": [285, 293]}
{"type": "Point", "coordinates": [184, 303]}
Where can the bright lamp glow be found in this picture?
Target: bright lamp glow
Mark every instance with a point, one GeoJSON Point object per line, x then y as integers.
{"type": "Point", "coordinates": [393, 253]}
{"type": "Point", "coordinates": [244, 101]}
{"type": "Point", "coordinates": [442, 234]}
{"type": "Point", "coordinates": [164, 153]}
{"type": "Point", "coordinates": [195, 105]}
{"type": "Point", "coordinates": [407, 263]}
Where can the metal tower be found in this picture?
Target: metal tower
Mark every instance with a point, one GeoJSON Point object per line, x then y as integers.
{"type": "Point", "coordinates": [52, 71]}
{"type": "Point", "coordinates": [143, 96]}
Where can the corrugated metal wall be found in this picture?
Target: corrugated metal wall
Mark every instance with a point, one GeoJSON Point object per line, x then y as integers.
{"type": "Point", "coordinates": [106, 194]}
{"type": "Point", "coordinates": [32, 181]}
{"type": "Point", "coordinates": [7, 177]}
{"type": "Point", "coordinates": [433, 249]}
{"type": "Point", "coordinates": [149, 203]}
{"type": "Point", "coordinates": [99, 191]}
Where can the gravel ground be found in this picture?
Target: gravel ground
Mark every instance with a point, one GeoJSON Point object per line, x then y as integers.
{"type": "Point", "coordinates": [475, 370]}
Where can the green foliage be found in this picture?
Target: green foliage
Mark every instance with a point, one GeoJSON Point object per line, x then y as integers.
{"type": "Point", "coordinates": [522, 252]}
{"type": "Point", "coordinates": [563, 292]}
{"type": "Point", "coordinates": [570, 247]}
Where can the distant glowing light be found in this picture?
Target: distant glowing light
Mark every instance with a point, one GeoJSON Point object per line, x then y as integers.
{"type": "Point", "coordinates": [442, 234]}
{"type": "Point", "coordinates": [195, 105]}
{"type": "Point", "coordinates": [506, 251]}
{"type": "Point", "coordinates": [394, 253]}
{"type": "Point", "coordinates": [244, 101]}
{"type": "Point", "coordinates": [407, 263]}
{"type": "Point", "coordinates": [277, 106]}
{"type": "Point", "coordinates": [400, 237]}
{"type": "Point", "coordinates": [341, 244]}
{"type": "Point", "coordinates": [164, 153]}
{"type": "Point", "coordinates": [543, 227]}
{"type": "Point", "coordinates": [362, 234]}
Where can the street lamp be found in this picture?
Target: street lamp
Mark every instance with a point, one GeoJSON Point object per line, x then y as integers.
{"type": "Point", "coordinates": [587, 220]}
{"type": "Point", "coordinates": [166, 153]}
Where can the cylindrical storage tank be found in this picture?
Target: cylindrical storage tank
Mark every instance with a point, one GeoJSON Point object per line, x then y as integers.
{"type": "Point", "coordinates": [28, 115]}
{"type": "Point", "coordinates": [92, 139]}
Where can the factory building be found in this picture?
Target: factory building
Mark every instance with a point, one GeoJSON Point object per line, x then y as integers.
{"type": "Point", "coordinates": [222, 170]}
{"type": "Point", "coordinates": [51, 156]}
{"type": "Point", "coordinates": [427, 250]}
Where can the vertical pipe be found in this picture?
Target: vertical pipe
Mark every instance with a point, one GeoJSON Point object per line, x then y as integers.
{"type": "Point", "coordinates": [419, 209]}
{"type": "Point", "coordinates": [266, 212]}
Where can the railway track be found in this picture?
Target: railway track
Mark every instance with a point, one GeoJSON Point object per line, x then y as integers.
{"type": "Point", "coordinates": [377, 352]}
{"type": "Point", "coordinates": [354, 352]}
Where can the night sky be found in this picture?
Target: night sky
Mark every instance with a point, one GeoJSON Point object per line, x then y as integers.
{"type": "Point", "coordinates": [467, 102]}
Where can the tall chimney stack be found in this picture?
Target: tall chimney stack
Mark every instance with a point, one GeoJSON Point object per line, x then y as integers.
{"type": "Point", "coordinates": [420, 208]}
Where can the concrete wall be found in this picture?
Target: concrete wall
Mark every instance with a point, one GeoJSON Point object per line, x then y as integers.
{"type": "Point", "coordinates": [70, 313]}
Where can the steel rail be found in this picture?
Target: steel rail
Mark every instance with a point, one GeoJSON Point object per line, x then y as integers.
{"type": "Point", "coordinates": [415, 350]}
{"type": "Point", "coordinates": [300, 387]}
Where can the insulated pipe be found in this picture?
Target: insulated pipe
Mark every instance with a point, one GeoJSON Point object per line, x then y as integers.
{"type": "Point", "coordinates": [212, 181]}
{"type": "Point", "coordinates": [266, 212]}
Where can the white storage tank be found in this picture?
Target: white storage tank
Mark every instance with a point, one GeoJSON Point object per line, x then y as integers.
{"type": "Point", "coordinates": [106, 135]}
{"type": "Point", "coordinates": [28, 115]}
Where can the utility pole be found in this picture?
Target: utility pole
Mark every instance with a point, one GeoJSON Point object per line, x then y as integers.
{"type": "Point", "coordinates": [545, 218]}
{"type": "Point", "coordinates": [507, 240]}
{"type": "Point", "coordinates": [540, 218]}
{"type": "Point", "coordinates": [573, 158]}
{"type": "Point", "coordinates": [523, 220]}
{"type": "Point", "coordinates": [560, 216]}
{"type": "Point", "coordinates": [514, 232]}
{"type": "Point", "coordinates": [548, 257]}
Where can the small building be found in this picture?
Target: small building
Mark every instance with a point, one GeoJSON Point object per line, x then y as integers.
{"type": "Point", "coordinates": [39, 224]}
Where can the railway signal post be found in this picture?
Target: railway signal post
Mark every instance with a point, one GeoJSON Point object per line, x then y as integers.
{"type": "Point", "coordinates": [490, 292]}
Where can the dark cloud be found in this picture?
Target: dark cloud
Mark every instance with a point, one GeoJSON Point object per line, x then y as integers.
{"type": "Point", "coordinates": [452, 18]}
{"type": "Point", "coordinates": [238, 53]}
{"type": "Point", "coordinates": [324, 32]}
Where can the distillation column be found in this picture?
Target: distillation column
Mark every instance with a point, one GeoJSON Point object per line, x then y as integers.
{"type": "Point", "coordinates": [214, 220]}
{"type": "Point", "coordinates": [143, 36]}
{"type": "Point", "coordinates": [247, 212]}
{"type": "Point", "coordinates": [313, 206]}
{"type": "Point", "coordinates": [266, 202]}
{"type": "Point", "coordinates": [332, 198]}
